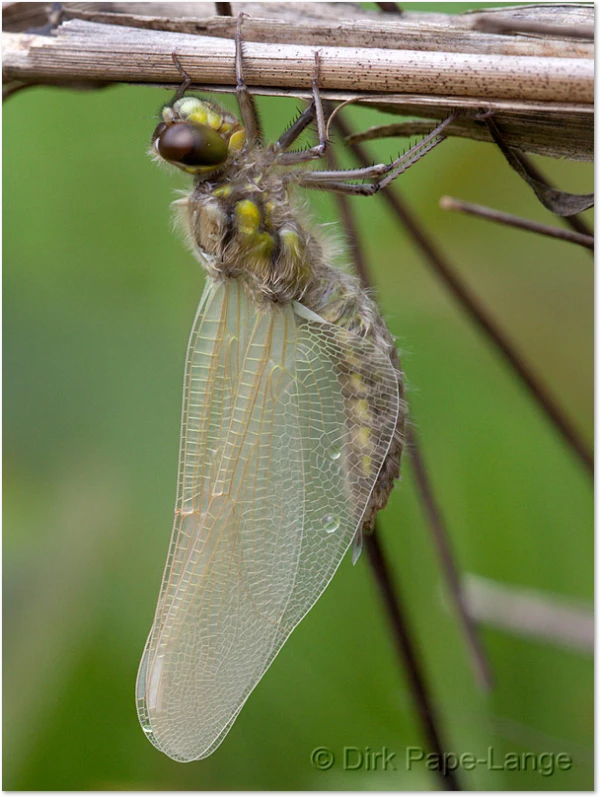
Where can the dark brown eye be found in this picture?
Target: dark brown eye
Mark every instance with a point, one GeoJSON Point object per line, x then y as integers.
{"type": "Point", "coordinates": [190, 145]}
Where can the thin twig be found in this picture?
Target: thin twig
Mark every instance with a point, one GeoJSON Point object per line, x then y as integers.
{"type": "Point", "coordinates": [410, 657]}
{"type": "Point", "coordinates": [432, 511]}
{"type": "Point", "coordinates": [530, 613]}
{"type": "Point", "coordinates": [479, 314]}
{"type": "Point", "coordinates": [530, 138]}
{"type": "Point", "coordinates": [449, 569]}
{"type": "Point", "coordinates": [481, 211]}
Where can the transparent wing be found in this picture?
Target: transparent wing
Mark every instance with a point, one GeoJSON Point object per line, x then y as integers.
{"type": "Point", "coordinates": [271, 494]}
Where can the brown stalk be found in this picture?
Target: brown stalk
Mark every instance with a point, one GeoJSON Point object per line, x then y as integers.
{"type": "Point", "coordinates": [410, 657]}
{"type": "Point", "coordinates": [483, 212]}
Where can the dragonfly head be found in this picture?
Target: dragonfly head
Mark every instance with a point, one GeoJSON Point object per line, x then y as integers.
{"type": "Point", "coordinates": [197, 136]}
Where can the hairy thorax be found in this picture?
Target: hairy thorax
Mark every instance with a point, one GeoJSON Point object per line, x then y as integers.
{"type": "Point", "coordinates": [242, 226]}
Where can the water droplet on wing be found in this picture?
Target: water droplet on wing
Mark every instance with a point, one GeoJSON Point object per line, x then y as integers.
{"type": "Point", "coordinates": [335, 452]}
{"type": "Point", "coordinates": [331, 523]}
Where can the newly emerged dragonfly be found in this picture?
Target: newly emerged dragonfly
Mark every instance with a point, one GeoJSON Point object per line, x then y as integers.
{"type": "Point", "coordinates": [293, 418]}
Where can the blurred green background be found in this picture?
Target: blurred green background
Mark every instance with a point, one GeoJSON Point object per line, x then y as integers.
{"type": "Point", "coordinates": [99, 296]}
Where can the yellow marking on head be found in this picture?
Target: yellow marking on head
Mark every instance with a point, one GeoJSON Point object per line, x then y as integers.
{"type": "Point", "coordinates": [186, 107]}
{"type": "Point", "coordinates": [225, 127]}
{"type": "Point", "coordinates": [237, 140]}
{"type": "Point", "coordinates": [248, 217]}
{"type": "Point", "coordinates": [223, 192]}
{"type": "Point", "coordinates": [366, 463]}
{"type": "Point", "coordinates": [198, 117]}
{"type": "Point", "coordinates": [213, 119]}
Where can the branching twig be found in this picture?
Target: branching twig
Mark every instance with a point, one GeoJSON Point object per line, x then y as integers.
{"type": "Point", "coordinates": [446, 557]}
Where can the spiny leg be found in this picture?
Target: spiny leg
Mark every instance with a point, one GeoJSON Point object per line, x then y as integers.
{"type": "Point", "coordinates": [337, 180]}
{"type": "Point", "coordinates": [287, 138]}
{"type": "Point", "coordinates": [386, 173]}
{"type": "Point", "coordinates": [315, 109]}
{"type": "Point", "coordinates": [244, 97]}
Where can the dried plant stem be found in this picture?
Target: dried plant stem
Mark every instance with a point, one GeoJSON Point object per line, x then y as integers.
{"type": "Point", "coordinates": [491, 24]}
{"type": "Point", "coordinates": [479, 314]}
{"type": "Point", "coordinates": [483, 212]}
{"type": "Point", "coordinates": [88, 51]}
{"type": "Point", "coordinates": [410, 657]}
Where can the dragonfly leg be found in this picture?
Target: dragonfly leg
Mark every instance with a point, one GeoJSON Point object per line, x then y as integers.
{"type": "Point", "coordinates": [382, 174]}
{"type": "Point", "coordinates": [245, 99]}
{"type": "Point", "coordinates": [287, 138]}
{"type": "Point", "coordinates": [313, 110]}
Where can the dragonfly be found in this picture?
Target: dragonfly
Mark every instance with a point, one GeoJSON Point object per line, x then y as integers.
{"type": "Point", "coordinates": [293, 414]}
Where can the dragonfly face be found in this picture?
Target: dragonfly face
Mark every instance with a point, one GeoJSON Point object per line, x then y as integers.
{"type": "Point", "coordinates": [197, 136]}
{"type": "Point", "coordinates": [292, 428]}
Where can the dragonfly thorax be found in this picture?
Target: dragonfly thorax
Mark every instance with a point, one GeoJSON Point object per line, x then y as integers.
{"type": "Point", "coordinates": [250, 232]}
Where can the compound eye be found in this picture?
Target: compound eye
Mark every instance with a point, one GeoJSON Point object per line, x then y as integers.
{"type": "Point", "coordinates": [190, 145]}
